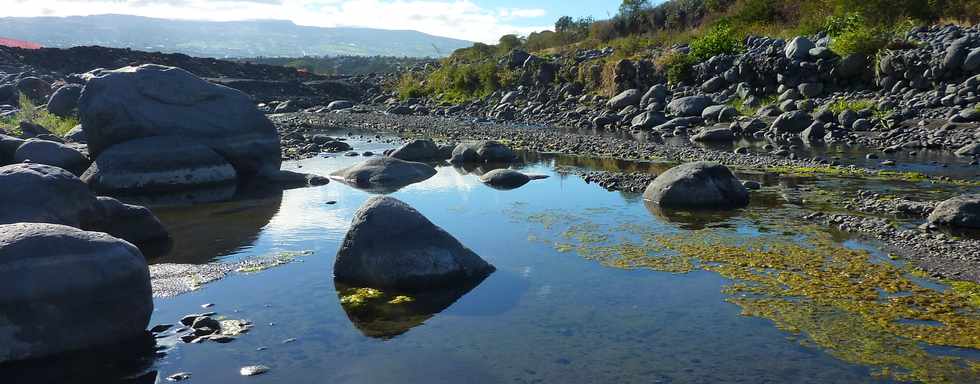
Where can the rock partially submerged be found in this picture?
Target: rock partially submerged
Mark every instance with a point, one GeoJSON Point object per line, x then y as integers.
{"type": "Point", "coordinates": [384, 174]}
{"type": "Point", "coordinates": [158, 164]}
{"type": "Point", "coordinates": [152, 100]}
{"type": "Point", "coordinates": [958, 212]}
{"type": "Point", "coordinates": [391, 245]}
{"type": "Point", "coordinates": [132, 223]}
{"type": "Point", "coordinates": [418, 150]}
{"type": "Point", "coordinates": [482, 152]}
{"type": "Point", "coordinates": [67, 289]}
{"type": "Point", "coordinates": [700, 184]}
{"type": "Point", "coordinates": [507, 178]}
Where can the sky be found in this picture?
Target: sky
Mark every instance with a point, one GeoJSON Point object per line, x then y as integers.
{"type": "Point", "coordinates": [474, 20]}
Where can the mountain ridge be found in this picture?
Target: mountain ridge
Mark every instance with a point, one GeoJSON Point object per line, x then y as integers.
{"type": "Point", "coordinates": [224, 39]}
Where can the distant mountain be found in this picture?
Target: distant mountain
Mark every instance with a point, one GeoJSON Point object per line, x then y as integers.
{"type": "Point", "coordinates": [270, 38]}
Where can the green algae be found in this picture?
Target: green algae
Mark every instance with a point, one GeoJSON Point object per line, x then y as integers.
{"type": "Point", "coordinates": [868, 174]}
{"type": "Point", "coordinates": [357, 297]}
{"type": "Point", "coordinates": [803, 280]}
{"type": "Point", "coordinates": [261, 263]}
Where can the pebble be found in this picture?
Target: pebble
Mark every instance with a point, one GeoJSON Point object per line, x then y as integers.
{"type": "Point", "coordinates": [253, 370]}
{"type": "Point", "coordinates": [180, 376]}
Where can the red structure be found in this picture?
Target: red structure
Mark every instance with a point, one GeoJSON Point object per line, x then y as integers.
{"type": "Point", "coordinates": [18, 43]}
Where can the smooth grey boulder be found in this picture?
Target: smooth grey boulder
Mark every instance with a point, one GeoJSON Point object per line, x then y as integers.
{"type": "Point", "coordinates": [152, 100]}
{"type": "Point", "coordinates": [791, 122]}
{"type": "Point", "coordinates": [719, 113]}
{"type": "Point", "coordinates": [37, 193]}
{"type": "Point", "coordinates": [391, 245]}
{"type": "Point", "coordinates": [624, 99]}
{"type": "Point", "coordinates": [132, 223]}
{"type": "Point", "coordinates": [482, 152]}
{"type": "Point", "coordinates": [8, 146]}
{"type": "Point", "coordinates": [852, 65]}
{"type": "Point", "coordinates": [700, 184]}
{"type": "Point", "coordinates": [799, 48]}
{"type": "Point", "coordinates": [384, 174]}
{"type": "Point", "coordinates": [958, 212]}
{"type": "Point", "coordinates": [717, 134]}
{"type": "Point", "coordinates": [67, 290]}
{"type": "Point", "coordinates": [417, 150]}
{"type": "Point", "coordinates": [507, 178]}
{"type": "Point", "coordinates": [688, 106]}
{"type": "Point", "coordinates": [969, 150]}
{"type": "Point", "coordinates": [159, 164]}
{"type": "Point", "coordinates": [36, 89]}
{"type": "Point", "coordinates": [76, 135]}
{"type": "Point", "coordinates": [52, 153]}
{"type": "Point", "coordinates": [64, 101]}
{"type": "Point", "coordinates": [972, 62]}
{"type": "Point", "coordinates": [647, 120]}
{"type": "Point", "coordinates": [656, 94]}
{"type": "Point", "coordinates": [956, 54]}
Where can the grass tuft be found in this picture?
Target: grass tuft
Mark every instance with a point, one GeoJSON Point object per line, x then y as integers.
{"type": "Point", "coordinates": [30, 113]}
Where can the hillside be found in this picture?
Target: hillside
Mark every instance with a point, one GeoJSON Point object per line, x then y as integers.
{"type": "Point", "coordinates": [268, 38]}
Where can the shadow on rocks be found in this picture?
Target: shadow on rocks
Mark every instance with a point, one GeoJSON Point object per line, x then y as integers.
{"type": "Point", "coordinates": [124, 363]}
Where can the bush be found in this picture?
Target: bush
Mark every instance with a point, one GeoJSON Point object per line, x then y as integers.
{"type": "Point", "coordinates": [676, 65]}
{"type": "Point", "coordinates": [719, 40]}
{"type": "Point", "coordinates": [457, 82]}
{"type": "Point", "coordinates": [40, 116]}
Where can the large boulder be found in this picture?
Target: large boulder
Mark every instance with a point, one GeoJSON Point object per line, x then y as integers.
{"type": "Point", "coordinates": [52, 153]}
{"type": "Point", "coordinates": [799, 48]}
{"type": "Point", "coordinates": [159, 164]}
{"type": "Point", "coordinates": [624, 99]}
{"type": "Point", "coordinates": [37, 193]}
{"type": "Point", "coordinates": [8, 147]}
{"type": "Point", "coordinates": [391, 245]}
{"type": "Point", "coordinates": [67, 290]}
{"type": "Point", "coordinates": [482, 152]}
{"type": "Point", "coordinates": [968, 150]}
{"type": "Point", "coordinates": [715, 134]}
{"type": "Point", "coordinates": [791, 122]}
{"type": "Point", "coordinates": [688, 106]}
{"type": "Point", "coordinates": [700, 184]}
{"type": "Point", "coordinates": [64, 101]}
{"type": "Point", "coordinates": [132, 223]}
{"type": "Point", "coordinates": [35, 89]}
{"type": "Point", "coordinates": [958, 212]}
{"type": "Point", "coordinates": [417, 150]}
{"type": "Point", "coordinates": [384, 174]}
{"type": "Point", "coordinates": [152, 100]}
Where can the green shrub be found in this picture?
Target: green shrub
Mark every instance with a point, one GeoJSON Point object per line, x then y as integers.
{"type": "Point", "coordinates": [721, 39]}
{"type": "Point", "coordinates": [32, 114]}
{"type": "Point", "coordinates": [676, 65]}
{"type": "Point", "coordinates": [840, 105]}
{"type": "Point", "coordinates": [411, 86]}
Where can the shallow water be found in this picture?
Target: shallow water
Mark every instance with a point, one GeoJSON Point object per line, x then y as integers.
{"type": "Point", "coordinates": [549, 314]}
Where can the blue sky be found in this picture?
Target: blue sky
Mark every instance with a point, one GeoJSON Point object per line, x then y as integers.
{"type": "Point", "coordinates": [475, 20]}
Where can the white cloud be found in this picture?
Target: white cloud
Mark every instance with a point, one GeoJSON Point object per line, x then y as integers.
{"type": "Point", "coordinates": [461, 19]}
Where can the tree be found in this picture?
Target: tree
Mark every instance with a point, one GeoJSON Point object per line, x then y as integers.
{"type": "Point", "coordinates": [631, 8]}
{"type": "Point", "coordinates": [564, 24]}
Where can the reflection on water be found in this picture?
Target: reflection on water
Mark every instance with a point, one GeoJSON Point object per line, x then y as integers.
{"type": "Point", "coordinates": [206, 232]}
{"type": "Point", "coordinates": [554, 311]}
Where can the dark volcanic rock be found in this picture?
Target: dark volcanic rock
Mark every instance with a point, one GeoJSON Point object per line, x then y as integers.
{"type": "Point", "coordinates": [384, 174]}
{"type": "Point", "coordinates": [391, 245]}
{"type": "Point", "coordinates": [64, 101]}
{"type": "Point", "coordinates": [68, 290]}
{"type": "Point", "coordinates": [505, 178]}
{"type": "Point", "coordinates": [36, 193]}
{"type": "Point", "coordinates": [961, 211]}
{"type": "Point", "coordinates": [700, 184]}
{"type": "Point", "coordinates": [52, 153]}
{"type": "Point", "coordinates": [417, 150]}
{"type": "Point", "coordinates": [152, 100]}
{"type": "Point", "coordinates": [158, 164]}
{"type": "Point", "coordinates": [132, 223]}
